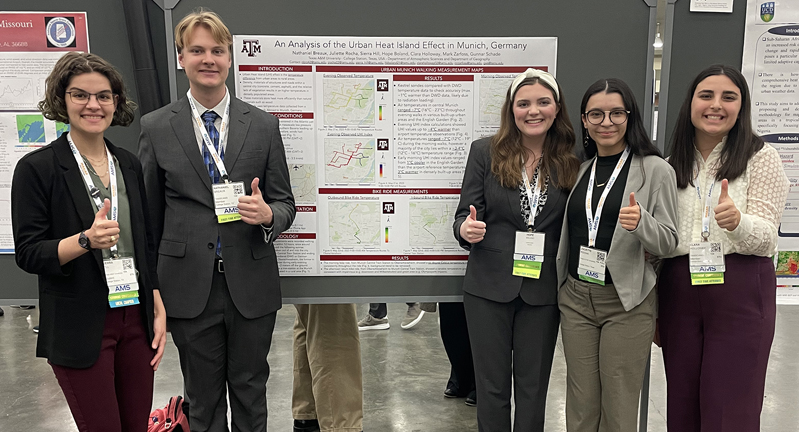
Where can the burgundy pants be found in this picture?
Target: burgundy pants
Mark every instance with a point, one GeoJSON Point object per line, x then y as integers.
{"type": "Point", "coordinates": [116, 393]}
{"type": "Point", "coordinates": [716, 341]}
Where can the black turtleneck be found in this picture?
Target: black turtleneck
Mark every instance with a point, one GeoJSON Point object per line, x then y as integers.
{"type": "Point", "coordinates": [578, 226]}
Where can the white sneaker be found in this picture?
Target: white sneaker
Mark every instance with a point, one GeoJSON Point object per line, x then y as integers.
{"type": "Point", "coordinates": [372, 323]}
{"type": "Point", "coordinates": [412, 317]}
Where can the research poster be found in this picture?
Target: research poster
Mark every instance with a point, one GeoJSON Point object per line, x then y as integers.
{"type": "Point", "coordinates": [30, 44]}
{"type": "Point", "coordinates": [771, 67]}
{"type": "Point", "coordinates": [377, 133]}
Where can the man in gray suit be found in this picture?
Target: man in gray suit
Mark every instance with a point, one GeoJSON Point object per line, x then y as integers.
{"type": "Point", "coordinates": [216, 176]}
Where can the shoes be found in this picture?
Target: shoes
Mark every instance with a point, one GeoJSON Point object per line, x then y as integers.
{"type": "Point", "coordinates": [36, 329]}
{"type": "Point", "coordinates": [451, 393]}
{"type": "Point", "coordinates": [372, 323]}
{"type": "Point", "coordinates": [2, 312]}
{"type": "Point", "coordinates": [306, 425]}
{"type": "Point", "coordinates": [471, 399]}
{"type": "Point", "coordinates": [412, 317]}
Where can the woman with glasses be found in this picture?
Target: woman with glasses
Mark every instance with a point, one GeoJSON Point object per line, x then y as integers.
{"type": "Point", "coordinates": [79, 217]}
{"type": "Point", "coordinates": [509, 218]}
{"type": "Point", "coordinates": [718, 294]}
{"type": "Point", "coordinates": [623, 205]}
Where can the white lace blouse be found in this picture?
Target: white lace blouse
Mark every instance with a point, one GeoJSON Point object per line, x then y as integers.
{"type": "Point", "coordinates": [759, 194]}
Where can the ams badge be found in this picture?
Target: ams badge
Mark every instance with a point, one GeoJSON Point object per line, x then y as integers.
{"type": "Point", "coordinates": [767, 11]}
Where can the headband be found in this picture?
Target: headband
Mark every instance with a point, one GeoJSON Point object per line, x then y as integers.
{"type": "Point", "coordinates": [535, 73]}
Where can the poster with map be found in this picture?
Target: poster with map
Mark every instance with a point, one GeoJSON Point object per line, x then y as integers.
{"type": "Point", "coordinates": [30, 44]}
{"type": "Point", "coordinates": [377, 131]}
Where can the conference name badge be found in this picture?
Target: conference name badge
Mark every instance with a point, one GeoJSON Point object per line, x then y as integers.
{"type": "Point", "coordinates": [123, 285]}
{"type": "Point", "coordinates": [706, 263]}
{"type": "Point", "coordinates": [226, 201]}
{"type": "Point", "coordinates": [528, 254]}
{"type": "Point", "coordinates": [591, 267]}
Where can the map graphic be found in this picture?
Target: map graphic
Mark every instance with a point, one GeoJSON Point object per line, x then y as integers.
{"type": "Point", "coordinates": [354, 223]}
{"type": "Point", "coordinates": [60, 128]}
{"type": "Point", "coordinates": [17, 93]}
{"type": "Point", "coordinates": [303, 182]}
{"type": "Point", "coordinates": [431, 223]}
{"type": "Point", "coordinates": [30, 128]}
{"type": "Point", "coordinates": [492, 96]}
{"type": "Point", "coordinates": [350, 161]}
{"type": "Point", "coordinates": [349, 101]}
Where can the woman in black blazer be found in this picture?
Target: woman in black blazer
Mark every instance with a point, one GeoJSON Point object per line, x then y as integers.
{"type": "Point", "coordinates": [103, 337]}
{"type": "Point", "coordinates": [511, 286]}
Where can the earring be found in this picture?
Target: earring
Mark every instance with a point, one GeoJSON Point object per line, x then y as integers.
{"type": "Point", "coordinates": [585, 141]}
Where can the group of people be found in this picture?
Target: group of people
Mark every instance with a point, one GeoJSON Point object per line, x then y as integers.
{"type": "Point", "coordinates": [623, 249]}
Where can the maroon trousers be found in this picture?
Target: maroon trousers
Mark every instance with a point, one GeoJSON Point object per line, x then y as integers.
{"type": "Point", "coordinates": [716, 341]}
{"type": "Point", "coordinates": [116, 393]}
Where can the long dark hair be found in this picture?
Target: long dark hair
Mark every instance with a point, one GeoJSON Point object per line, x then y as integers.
{"type": "Point", "coordinates": [507, 150]}
{"type": "Point", "coordinates": [635, 136]}
{"type": "Point", "coordinates": [742, 143]}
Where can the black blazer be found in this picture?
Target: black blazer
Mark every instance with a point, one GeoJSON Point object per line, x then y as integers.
{"type": "Point", "coordinates": [490, 267]}
{"type": "Point", "coordinates": [49, 203]}
{"type": "Point", "coordinates": [182, 208]}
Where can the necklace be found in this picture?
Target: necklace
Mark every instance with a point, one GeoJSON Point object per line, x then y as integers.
{"type": "Point", "coordinates": [599, 185]}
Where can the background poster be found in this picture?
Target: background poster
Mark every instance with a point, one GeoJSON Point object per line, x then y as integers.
{"type": "Point", "coordinates": [30, 44]}
{"type": "Point", "coordinates": [771, 67]}
{"type": "Point", "coordinates": [377, 132]}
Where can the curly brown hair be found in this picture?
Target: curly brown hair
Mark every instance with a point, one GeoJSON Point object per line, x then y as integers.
{"type": "Point", "coordinates": [54, 106]}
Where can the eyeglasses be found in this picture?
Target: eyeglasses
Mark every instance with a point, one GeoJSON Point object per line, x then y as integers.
{"type": "Point", "coordinates": [596, 117]}
{"type": "Point", "coordinates": [82, 97]}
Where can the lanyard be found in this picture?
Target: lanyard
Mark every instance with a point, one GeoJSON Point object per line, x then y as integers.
{"type": "Point", "coordinates": [534, 195]}
{"type": "Point", "coordinates": [220, 165]}
{"type": "Point", "coordinates": [93, 191]}
{"type": "Point", "coordinates": [593, 221]}
{"type": "Point", "coordinates": [706, 209]}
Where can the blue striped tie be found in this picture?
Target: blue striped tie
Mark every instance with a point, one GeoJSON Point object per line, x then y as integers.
{"type": "Point", "coordinates": [209, 117]}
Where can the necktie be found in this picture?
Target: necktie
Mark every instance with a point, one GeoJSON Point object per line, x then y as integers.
{"type": "Point", "coordinates": [208, 118]}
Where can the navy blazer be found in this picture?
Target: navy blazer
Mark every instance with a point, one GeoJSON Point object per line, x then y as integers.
{"type": "Point", "coordinates": [489, 271]}
{"type": "Point", "coordinates": [49, 202]}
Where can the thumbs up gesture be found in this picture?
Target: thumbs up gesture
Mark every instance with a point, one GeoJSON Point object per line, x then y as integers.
{"type": "Point", "coordinates": [727, 215]}
{"type": "Point", "coordinates": [253, 209]}
{"type": "Point", "coordinates": [103, 233]}
{"type": "Point", "coordinates": [630, 215]}
{"type": "Point", "coordinates": [473, 230]}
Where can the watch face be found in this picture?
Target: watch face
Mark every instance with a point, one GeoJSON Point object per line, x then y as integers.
{"type": "Point", "coordinates": [83, 241]}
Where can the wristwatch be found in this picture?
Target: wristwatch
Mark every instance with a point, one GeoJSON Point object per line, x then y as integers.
{"type": "Point", "coordinates": [84, 242]}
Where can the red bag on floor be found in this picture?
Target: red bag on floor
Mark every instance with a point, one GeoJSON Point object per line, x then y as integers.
{"type": "Point", "coordinates": [170, 418]}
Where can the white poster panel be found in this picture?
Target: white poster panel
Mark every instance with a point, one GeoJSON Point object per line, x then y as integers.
{"type": "Point", "coordinates": [377, 132]}
{"type": "Point", "coordinates": [771, 67]}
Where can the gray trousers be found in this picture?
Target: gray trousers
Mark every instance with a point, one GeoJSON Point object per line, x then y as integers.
{"type": "Point", "coordinates": [221, 351]}
{"type": "Point", "coordinates": [606, 350]}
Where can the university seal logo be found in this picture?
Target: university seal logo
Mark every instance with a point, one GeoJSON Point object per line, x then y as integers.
{"type": "Point", "coordinates": [60, 32]}
{"type": "Point", "coordinates": [767, 11]}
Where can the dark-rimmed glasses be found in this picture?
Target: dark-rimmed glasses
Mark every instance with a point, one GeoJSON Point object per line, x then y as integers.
{"type": "Point", "coordinates": [80, 97]}
{"type": "Point", "coordinates": [596, 117]}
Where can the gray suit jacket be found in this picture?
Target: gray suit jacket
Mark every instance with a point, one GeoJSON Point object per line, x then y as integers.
{"type": "Point", "coordinates": [182, 208]}
{"type": "Point", "coordinates": [633, 276]}
{"type": "Point", "coordinates": [489, 272]}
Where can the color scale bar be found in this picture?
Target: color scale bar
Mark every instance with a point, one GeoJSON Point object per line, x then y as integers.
{"type": "Point", "coordinates": [380, 109]}
{"type": "Point", "coordinates": [381, 170]}
{"type": "Point", "coordinates": [386, 234]}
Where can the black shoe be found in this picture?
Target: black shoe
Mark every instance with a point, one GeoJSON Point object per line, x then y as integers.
{"type": "Point", "coordinates": [471, 399]}
{"type": "Point", "coordinates": [1, 312]}
{"type": "Point", "coordinates": [306, 425]}
{"type": "Point", "coordinates": [36, 329]}
{"type": "Point", "coordinates": [27, 306]}
{"type": "Point", "coordinates": [451, 392]}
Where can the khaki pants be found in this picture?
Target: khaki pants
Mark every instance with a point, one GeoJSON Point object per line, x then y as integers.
{"type": "Point", "coordinates": [606, 350]}
{"type": "Point", "coordinates": [327, 367]}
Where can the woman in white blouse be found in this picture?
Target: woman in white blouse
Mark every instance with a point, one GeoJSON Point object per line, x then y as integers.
{"type": "Point", "coordinates": [718, 293]}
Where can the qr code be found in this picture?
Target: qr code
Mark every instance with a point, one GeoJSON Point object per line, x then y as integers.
{"type": "Point", "coordinates": [600, 258]}
{"type": "Point", "coordinates": [127, 265]}
{"type": "Point", "coordinates": [715, 247]}
{"type": "Point", "coordinates": [238, 189]}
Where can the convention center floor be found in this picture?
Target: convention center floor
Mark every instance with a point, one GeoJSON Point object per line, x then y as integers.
{"type": "Point", "coordinates": [404, 373]}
